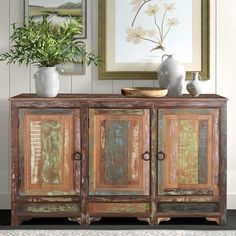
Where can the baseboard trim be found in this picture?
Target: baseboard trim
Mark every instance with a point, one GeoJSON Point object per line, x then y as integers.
{"type": "Point", "coordinates": [231, 201]}
{"type": "Point", "coordinates": [5, 201]}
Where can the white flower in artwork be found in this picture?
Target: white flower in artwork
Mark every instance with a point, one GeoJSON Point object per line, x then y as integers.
{"type": "Point", "coordinates": [152, 10]}
{"type": "Point", "coordinates": [169, 7]}
{"type": "Point", "coordinates": [173, 22]}
{"type": "Point", "coordinates": [161, 24]}
{"type": "Point", "coordinates": [135, 34]}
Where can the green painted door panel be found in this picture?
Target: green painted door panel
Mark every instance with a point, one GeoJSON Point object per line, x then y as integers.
{"type": "Point", "coordinates": [189, 140]}
{"type": "Point", "coordinates": [46, 147]}
{"type": "Point", "coordinates": [117, 140]}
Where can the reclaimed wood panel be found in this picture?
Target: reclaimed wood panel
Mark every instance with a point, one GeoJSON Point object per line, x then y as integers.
{"type": "Point", "coordinates": [189, 139]}
{"type": "Point", "coordinates": [47, 145]}
{"type": "Point", "coordinates": [49, 207]}
{"type": "Point", "coordinates": [208, 207]}
{"type": "Point", "coordinates": [118, 208]}
{"type": "Point", "coordinates": [118, 138]}
{"type": "Point", "coordinates": [202, 151]}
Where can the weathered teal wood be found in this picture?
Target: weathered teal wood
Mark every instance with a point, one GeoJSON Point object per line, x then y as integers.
{"type": "Point", "coordinates": [188, 207]}
{"type": "Point", "coordinates": [52, 207]}
{"type": "Point", "coordinates": [160, 148]}
{"type": "Point", "coordinates": [202, 152]}
{"type": "Point", "coordinates": [115, 153]}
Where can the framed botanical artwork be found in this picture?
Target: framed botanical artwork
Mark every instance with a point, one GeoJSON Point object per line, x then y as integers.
{"type": "Point", "coordinates": [59, 11]}
{"type": "Point", "coordinates": [135, 34]}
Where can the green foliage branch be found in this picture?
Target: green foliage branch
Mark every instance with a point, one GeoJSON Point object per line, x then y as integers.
{"type": "Point", "coordinates": [46, 44]}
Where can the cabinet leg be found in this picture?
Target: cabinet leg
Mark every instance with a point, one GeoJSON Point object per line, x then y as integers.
{"type": "Point", "coordinates": [86, 221]}
{"type": "Point", "coordinates": [15, 221]}
{"type": "Point", "coordinates": [161, 219]}
{"type": "Point", "coordinates": [92, 219]}
{"type": "Point", "coordinates": [77, 219]}
{"type": "Point", "coordinates": [223, 221]}
{"type": "Point", "coordinates": [216, 219]}
{"type": "Point", "coordinates": [145, 219]}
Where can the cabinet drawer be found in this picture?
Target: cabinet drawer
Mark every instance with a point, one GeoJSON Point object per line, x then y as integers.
{"type": "Point", "coordinates": [206, 207]}
{"type": "Point", "coordinates": [118, 208]}
{"type": "Point", "coordinates": [49, 208]}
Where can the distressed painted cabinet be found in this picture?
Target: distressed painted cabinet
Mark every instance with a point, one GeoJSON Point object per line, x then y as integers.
{"type": "Point", "coordinates": [188, 144]}
{"type": "Point", "coordinates": [119, 146]}
{"type": "Point", "coordinates": [189, 141]}
{"type": "Point", "coordinates": [48, 164]}
{"type": "Point", "coordinates": [46, 148]}
{"type": "Point", "coordinates": [90, 156]}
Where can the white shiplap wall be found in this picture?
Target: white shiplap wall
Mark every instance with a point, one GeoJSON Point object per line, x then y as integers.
{"type": "Point", "coordinates": [15, 79]}
{"type": "Point", "coordinates": [225, 67]}
{"type": "Point", "coordinates": [4, 114]}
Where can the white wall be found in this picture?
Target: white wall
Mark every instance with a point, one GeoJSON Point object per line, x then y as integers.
{"type": "Point", "coordinates": [226, 84]}
{"type": "Point", "coordinates": [15, 79]}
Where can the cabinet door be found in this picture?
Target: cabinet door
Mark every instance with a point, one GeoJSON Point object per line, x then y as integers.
{"type": "Point", "coordinates": [119, 152]}
{"type": "Point", "coordinates": [48, 139]}
{"type": "Point", "coordinates": [188, 152]}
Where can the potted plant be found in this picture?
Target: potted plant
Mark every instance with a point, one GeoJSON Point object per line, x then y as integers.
{"type": "Point", "coordinates": [47, 45]}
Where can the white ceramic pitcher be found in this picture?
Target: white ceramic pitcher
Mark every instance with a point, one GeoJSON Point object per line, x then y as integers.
{"type": "Point", "coordinates": [47, 82]}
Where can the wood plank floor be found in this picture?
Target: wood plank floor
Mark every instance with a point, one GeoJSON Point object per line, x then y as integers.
{"type": "Point", "coordinates": [121, 223]}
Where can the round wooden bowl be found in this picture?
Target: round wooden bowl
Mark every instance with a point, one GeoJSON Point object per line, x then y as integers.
{"type": "Point", "coordinates": [147, 92]}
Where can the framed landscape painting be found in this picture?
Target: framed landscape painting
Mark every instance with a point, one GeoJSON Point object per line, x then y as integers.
{"type": "Point", "coordinates": [135, 34]}
{"type": "Point", "coordinates": [59, 11]}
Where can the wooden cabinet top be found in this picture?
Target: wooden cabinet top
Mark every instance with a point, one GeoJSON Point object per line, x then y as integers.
{"type": "Point", "coordinates": [117, 100]}
{"type": "Point", "coordinates": [100, 96]}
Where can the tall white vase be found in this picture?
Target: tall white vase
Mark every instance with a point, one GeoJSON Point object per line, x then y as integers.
{"type": "Point", "coordinates": [194, 87]}
{"type": "Point", "coordinates": [171, 75]}
{"type": "Point", "coordinates": [47, 82]}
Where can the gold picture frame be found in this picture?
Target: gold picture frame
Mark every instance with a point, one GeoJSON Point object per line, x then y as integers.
{"type": "Point", "coordinates": [104, 51]}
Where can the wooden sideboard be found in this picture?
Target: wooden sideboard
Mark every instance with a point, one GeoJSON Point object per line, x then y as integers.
{"type": "Point", "coordinates": [90, 156]}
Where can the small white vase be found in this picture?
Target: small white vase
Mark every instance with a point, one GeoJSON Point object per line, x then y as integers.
{"type": "Point", "coordinates": [171, 75]}
{"type": "Point", "coordinates": [47, 82]}
{"type": "Point", "coordinates": [194, 87]}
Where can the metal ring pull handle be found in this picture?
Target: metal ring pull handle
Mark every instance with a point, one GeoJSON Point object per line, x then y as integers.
{"type": "Point", "coordinates": [77, 156]}
{"type": "Point", "coordinates": [146, 156]}
{"type": "Point", "coordinates": [161, 156]}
